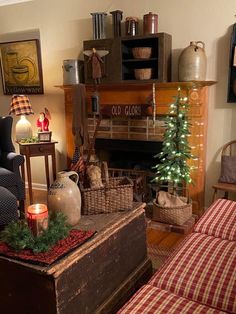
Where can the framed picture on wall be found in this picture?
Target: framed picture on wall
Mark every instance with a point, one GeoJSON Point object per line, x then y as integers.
{"type": "Point", "coordinates": [21, 67]}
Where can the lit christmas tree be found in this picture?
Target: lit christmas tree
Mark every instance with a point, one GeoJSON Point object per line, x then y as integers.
{"type": "Point", "coordinates": [173, 167]}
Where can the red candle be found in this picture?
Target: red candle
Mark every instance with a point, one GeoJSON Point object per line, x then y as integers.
{"type": "Point", "coordinates": [37, 217]}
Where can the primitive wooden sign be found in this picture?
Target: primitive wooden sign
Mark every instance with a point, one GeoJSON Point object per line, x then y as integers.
{"type": "Point", "coordinates": [125, 110]}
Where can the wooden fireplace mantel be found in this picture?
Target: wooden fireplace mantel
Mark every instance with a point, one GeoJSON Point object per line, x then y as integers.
{"type": "Point", "coordinates": [137, 93]}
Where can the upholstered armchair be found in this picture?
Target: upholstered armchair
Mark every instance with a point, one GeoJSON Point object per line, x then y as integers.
{"type": "Point", "coordinates": [10, 177]}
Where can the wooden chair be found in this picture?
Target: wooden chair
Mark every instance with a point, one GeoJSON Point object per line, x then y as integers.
{"type": "Point", "coordinates": [228, 149]}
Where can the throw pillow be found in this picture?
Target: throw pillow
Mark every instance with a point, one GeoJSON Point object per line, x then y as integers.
{"type": "Point", "coordinates": [228, 169]}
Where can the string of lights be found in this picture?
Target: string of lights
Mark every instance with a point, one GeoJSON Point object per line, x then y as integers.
{"type": "Point", "coordinates": [173, 166]}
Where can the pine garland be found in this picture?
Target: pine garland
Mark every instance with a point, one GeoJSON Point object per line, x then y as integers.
{"type": "Point", "coordinates": [173, 167]}
{"type": "Point", "coordinates": [31, 139]}
{"type": "Point", "coordinates": [19, 236]}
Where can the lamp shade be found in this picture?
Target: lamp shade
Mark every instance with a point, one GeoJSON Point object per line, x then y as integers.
{"type": "Point", "coordinates": [20, 105]}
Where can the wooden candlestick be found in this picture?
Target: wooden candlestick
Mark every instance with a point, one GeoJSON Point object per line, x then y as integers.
{"type": "Point", "coordinates": [117, 17]}
{"type": "Point", "coordinates": [37, 217]}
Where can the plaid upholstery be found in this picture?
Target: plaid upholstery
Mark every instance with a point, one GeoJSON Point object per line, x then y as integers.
{"type": "Point", "coordinates": [152, 300]}
{"type": "Point", "coordinates": [20, 104]}
{"type": "Point", "coordinates": [6, 177]}
{"type": "Point", "coordinates": [10, 177]}
{"type": "Point", "coordinates": [11, 161]}
{"type": "Point", "coordinates": [219, 220]}
{"type": "Point", "coordinates": [6, 144]}
{"type": "Point", "coordinates": [8, 207]}
{"type": "Point", "coordinates": [203, 269]}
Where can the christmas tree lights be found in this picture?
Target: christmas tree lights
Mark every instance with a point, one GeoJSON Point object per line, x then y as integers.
{"type": "Point", "coordinates": [173, 167]}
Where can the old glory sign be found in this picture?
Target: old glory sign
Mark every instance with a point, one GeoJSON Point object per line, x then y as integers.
{"type": "Point", "coordinates": [125, 110]}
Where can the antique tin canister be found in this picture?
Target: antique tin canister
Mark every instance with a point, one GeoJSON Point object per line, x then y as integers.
{"type": "Point", "coordinates": [150, 23]}
{"type": "Point", "coordinates": [131, 26]}
{"type": "Point", "coordinates": [72, 71]}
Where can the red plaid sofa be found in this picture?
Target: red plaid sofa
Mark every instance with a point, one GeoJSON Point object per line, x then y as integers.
{"type": "Point", "coordinates": [200, 276]}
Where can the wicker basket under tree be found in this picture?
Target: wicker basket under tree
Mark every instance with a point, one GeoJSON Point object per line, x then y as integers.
{"type": "Point", "coordinates": [173, 168]}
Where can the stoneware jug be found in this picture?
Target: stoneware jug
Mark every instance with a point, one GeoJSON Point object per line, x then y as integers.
{"type": "Point", "coordinates": [64, 195]}
{"type": "Point", "coordinates": [192, 62]}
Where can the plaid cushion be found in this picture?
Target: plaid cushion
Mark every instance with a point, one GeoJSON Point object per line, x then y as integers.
{"type": "Point", "coordinates": [219, 220]}
{"type": "Point", "coordinates": [203, 269]}
{"type": "Point", "coordinates": [151, 300]}
{"type": "Point", "coordinates": [8, 207]}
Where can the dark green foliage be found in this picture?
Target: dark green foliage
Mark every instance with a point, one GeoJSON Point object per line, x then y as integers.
{"type": "Point", "coordinates": [57, 230]}
{"type": "Point", "coordinates": [18, 235]}
{"type": "Point", "coordinates": [173, 167]}
{"type": "Point", "coordinates": [32, 139]}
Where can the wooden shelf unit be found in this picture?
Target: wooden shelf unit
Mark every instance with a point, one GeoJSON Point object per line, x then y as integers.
{"type": "Point", "coordinates": [123, 94]}
{"type": "Point", "coordinates": [160, 61]}
{"type": "Point", "coordinates": [119, 64]}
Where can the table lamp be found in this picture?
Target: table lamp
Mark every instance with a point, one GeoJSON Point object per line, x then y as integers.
{"type": "Point", "coordinates": [20, 106]}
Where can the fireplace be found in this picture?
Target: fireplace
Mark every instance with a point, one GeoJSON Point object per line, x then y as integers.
{"type": "Point", "coordinates": [128, 154]}
{"type": "Point", "coordinates": [134, 159]}
{"type": "Point", "coordinates": [144, 129]}
{"type": "Point", "coordinates": [129, 145]}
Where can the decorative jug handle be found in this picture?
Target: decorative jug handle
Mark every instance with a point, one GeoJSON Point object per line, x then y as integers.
{"type": "Point", "coordinates": [201, 43]}
{"type": "Point", "coordinates": [73, 176]}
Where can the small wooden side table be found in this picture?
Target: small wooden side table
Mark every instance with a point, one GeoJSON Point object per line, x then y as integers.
{"type": "Point", "coordinates": [33, 150]}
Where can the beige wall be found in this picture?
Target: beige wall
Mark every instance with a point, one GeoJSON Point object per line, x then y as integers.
{"type": "Point", "coordinates": [63, 25]}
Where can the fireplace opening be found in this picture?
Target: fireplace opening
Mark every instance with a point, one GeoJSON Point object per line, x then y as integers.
{"type": "Point", "coordinates": [129, 154]}
{"type": "Point", "coordinates": [134, 159]}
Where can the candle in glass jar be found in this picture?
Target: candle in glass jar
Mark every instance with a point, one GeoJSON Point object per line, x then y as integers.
{"type": "Point", "coordinates": [37, 217]}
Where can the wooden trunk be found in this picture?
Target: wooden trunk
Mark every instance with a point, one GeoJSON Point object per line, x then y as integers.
{"type": "Point", "coordinates": [98, 277]}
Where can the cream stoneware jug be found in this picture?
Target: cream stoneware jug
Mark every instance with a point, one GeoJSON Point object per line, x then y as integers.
{"type": "Point", "coordinates": [193, 62]}
{"type": "Point", "coordinates": [64, 195]}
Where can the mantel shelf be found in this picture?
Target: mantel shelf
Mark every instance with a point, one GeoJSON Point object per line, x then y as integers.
{"type": "Point", "coordinates": [144, 84]}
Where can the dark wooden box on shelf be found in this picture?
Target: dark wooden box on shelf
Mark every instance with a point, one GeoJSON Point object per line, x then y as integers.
{"type": "Point", "coordinates": [119, 63]}
{"type": "Point", "coordinates": [110, 67]}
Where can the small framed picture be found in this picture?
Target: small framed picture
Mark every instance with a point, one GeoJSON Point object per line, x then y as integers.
{"type": "Point", "coordinates": [21, 67]}
{"type": "Point", "coordinates": [45, 136]}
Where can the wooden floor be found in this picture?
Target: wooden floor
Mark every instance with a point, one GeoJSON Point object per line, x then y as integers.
{"type": "Point", "coordinates": [163, 239]}
{"type": "Point", "coordinates": [160, 243]}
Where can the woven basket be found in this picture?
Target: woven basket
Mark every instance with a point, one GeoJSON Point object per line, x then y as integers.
{"type": "Point", "coordinates": [116, 195]}
{"type": "Point", "coordinates": [177, 215]}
